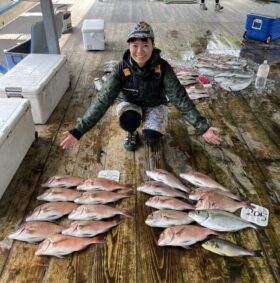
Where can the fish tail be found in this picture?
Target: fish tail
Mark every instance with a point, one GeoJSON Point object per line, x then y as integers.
{"type": "Point", "coordinates": [119, 219]}
{"type": "Point", "coordinates": [98, 240]}
{"type": "Point", "coordinates": [258, 253]}
{"type": "Point", "coordinates": [46, 184]}
{"type": "Point", "coordinates": [127, 192]}
{"type": "Point", "coordinates": [129, 186]}
{"type": "Point", "coordinates": [128, 213]}
{"type": "Point", "coordinates": [248, 204]}
{"type": "Point", "coordinates": [257, 228]}
{"type": "Point", "coordinates": [220, 235]}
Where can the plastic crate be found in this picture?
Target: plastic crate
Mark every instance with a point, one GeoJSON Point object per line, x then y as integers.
{"type": "Point", "coordinates": [262, 27]}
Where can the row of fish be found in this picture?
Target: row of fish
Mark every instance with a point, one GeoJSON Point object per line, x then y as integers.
{"type": "Point", "coordinates": [89, 217]}
{"type": "Point", "coordinates": [37, 231]}
{"type": "Point", "coordinates": [210, 212]}
{"type": "Point", "coordinates": [89, 197]}
{"type": "Point", "coordinates": [66, 181]}
{"type": "Point", "coordinates": [228, 71]}
{"type": "Point", "coordinates": [190, 79]}
{"type": "Point", "coordinates": [55, 210]}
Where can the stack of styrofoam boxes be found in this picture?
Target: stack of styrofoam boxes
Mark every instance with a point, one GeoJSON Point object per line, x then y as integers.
{"type": "Point", "coordinates": [17, 133]}
{"type": "Point", "coordinates": [93, 34]}
{"type": "Point", "coordinates": [42, 79]}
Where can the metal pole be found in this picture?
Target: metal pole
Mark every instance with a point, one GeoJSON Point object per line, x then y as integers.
{"type": "Point", "coordinates": [50, 28]}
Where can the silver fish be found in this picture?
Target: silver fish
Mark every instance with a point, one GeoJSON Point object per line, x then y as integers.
{"type": "Point", "coordinates": [219, 220]}
{"type": "Point", "coordinates": [167, 218]}
{"type": "Point", "coordinates": [101, 197]}
{"type": "Point", "coordinates": [195, 96]}
{"type": "Point", "coordinates": [51, 211]}
{"type": "Point", "coordinates": [167, 178]}
{"type": "Point", "coordinates": [165, 202]}
{"type": "Point", "coordinates": [201, 180]}
{"type": "Point", "coordinates": [197, 193]}
{"type": "Point", "coordinates": [60, 245]}
{"type": "Point", "coordinates": [102, 184]}
{"type": "Point", "coordinates": [59, 194]}
{"type": "Point", "coordinates": [215, 200]}
{"type": "Point", "coordinates": [97, 212]}
{"type": "Point", "coordinates": [184, 235]}
{"type": "Point", "coordinates": [186, 73]}
{"type": "Point", "coordinates": [63, 181]}
{"type": "Point", "coordinates": [159, 189]}
{"type": "Point", "coordinates": [33, 232]}
{"type": "Point", "coordinates": [90, 228]}
{"type": "Point", "coordinates": [186, 82]}
{"type": "Point", "coordinates": [226, 248]}
{"type": "Point", "coordinates": [234, 81]}
{"type": "Point", "coordinates": [238, 75]}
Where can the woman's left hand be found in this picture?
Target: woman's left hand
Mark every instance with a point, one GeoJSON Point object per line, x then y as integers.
{"type": "Point", "coordinates": [211, 136]}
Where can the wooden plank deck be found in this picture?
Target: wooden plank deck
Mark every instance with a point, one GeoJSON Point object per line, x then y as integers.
{"type": "Point", "coordinates": [248, 161]}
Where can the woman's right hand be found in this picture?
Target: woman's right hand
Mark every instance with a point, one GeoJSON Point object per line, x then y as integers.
{"type": "Point", "coordinates": [68, 140]}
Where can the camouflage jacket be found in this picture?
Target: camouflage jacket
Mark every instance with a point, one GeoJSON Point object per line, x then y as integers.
{"type": "Point", "coordinates": [112, 89]}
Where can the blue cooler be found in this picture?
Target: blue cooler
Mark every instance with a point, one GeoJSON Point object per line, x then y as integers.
{"type": "Point", "coordinates": [262, 27]}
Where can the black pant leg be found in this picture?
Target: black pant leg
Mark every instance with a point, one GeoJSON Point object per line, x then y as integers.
{"type": "Point", "coordinates": [130, 120]}
{"type": "Point", "coordinates": [152, 136]}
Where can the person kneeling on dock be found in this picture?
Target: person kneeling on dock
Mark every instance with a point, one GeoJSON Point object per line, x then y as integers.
{"type": "Point", "coordinates": [141, 84]}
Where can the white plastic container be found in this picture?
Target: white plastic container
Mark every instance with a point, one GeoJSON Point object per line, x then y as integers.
{"type": "Point", "coordinates": [16, 136]}
{"type": "Point", "coordinates": [93, 34]}
{"type": "Point", "coordinates": [42, 79]}
{"type": "Point", "coordinates": [262, 74]}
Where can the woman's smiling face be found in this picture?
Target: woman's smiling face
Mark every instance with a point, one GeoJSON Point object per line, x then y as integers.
{"type": "Point", "coordinates": [141, 51]}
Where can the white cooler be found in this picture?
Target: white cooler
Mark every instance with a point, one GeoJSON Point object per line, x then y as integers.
{"type": "Point", "coordinates": [16, 136]}
{"type": "Point", "coordinates": [93, 34]}
{"type": "Point", "coordinates": [42, 79]}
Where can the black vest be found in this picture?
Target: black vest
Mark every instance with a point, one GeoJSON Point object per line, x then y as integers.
{"type": "Point", "coordinates": [146, 91]}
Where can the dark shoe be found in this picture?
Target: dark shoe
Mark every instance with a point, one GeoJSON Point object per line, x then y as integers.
{"type": "Point", "coordinates": [218, 7]}
{"type": "Point", "coordinates": [131, 142]}
{"type": "Point", "coordinates": [203, 7]}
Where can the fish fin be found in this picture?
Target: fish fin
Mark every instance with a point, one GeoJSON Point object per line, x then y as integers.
{"type": "Point", "coordinates": [186, 247]}
{"type": "Point", "coordinates": [220, 235]}
{"type": "Point", "coordinates": [258, 253]}
{"type": "Point", "coordinates": [128, 212]}
{"type": "Point", "coordinates": [46, 184]}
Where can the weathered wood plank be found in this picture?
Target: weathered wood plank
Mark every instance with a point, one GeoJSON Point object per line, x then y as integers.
{"type": "Point", "coordinates": [247, 162]}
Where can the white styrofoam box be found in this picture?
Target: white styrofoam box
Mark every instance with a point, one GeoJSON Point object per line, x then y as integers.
{"type": "Point", "coordinates": [93, 34]}
{"type": "Point", "coordinates": [17, 133]}
{"type": "Point", "coordinates": [41, 78]}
